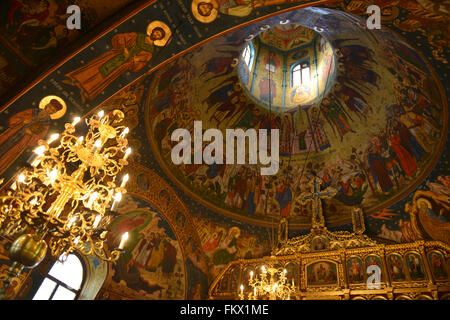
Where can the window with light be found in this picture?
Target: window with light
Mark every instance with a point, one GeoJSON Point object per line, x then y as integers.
{"type": "Point", "coordinates": [63, 281]}
{"type": "Point", "coordinates": [300, 74]}
{"type": "Point", "coordinates": [247, 55]}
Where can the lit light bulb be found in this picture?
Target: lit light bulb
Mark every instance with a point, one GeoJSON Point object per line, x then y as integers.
{"type": "Point", "coordinates": [251, 275]}
{"type": "Point", "coordinates": [21, 178]}
{"type": "Point", "coordinates": [97, 145]}
{"type": "Point", "coordinates": [101, 114]}
{"type": "Point", "coordinates": [75, 121]}
{"type": "Point", "coordinates": [97, 221]}
{"type": "Point", "coordinates": [92, 198]}
{"type": "Point", "coordinates": [124, 180]}
{"type": "Point", "coordinates": [124, 132]}
{"type": "Point", "coordinates": [127, 153]}
{"type": "Point", "coordinates": [117, 199]}
{"type": "Point", "coordinates": [52, 175]}
{"type": "Point", "coordinates": [71, 221]}
{"type": "Point", "coordinates": [39, 150]}
{"type": "Point", "coordinates": [284, 271]}
{"type": "Point", "coordinates": [124, 239]}
{"type": "Point", "coordinates": [53, 138]}
{"type": "Point", "coordinates": [242, 289]}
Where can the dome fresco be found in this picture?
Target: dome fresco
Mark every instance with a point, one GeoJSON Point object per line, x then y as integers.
{"type": "Point", "coordinates": [287, 66]}
{"type": "Point", "coordinates": [360, 138]}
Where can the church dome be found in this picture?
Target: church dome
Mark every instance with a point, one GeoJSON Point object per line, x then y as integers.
{"type": "Point", "coordinates": [287, 66]}
{"type": "Point", "coordinates": [356, 130]}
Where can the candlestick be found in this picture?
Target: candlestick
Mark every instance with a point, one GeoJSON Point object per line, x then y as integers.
{"type": "Point", "coordinates": [37, 153]}
{"type": "Point", "coordinates": [75, 121]}
{"type": "Point", "coordinates": [117, 199]}
{"type": "Point", "coordinates": [125, 132]}
{"type": "Point", "coordinates": [52, 175]}
{"type": "Point", "coordinates": [124, 239]}
{"type": "Point", "coordinates": [53, 138]}
{"type": "Point", "coordinates": [92, 198]}
{"type": "Point", "coordinates": [124, 180]}
{"type": "Point", "coordinates": [127, 154]}
{"type": "Point", "coordinates": [97, 145]}
{"type": "Point", "coordinates": [71, 221]}
{"type": "Point", "coordinates": [96, 221]}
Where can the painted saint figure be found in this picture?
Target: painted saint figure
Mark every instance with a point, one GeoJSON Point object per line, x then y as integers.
{"type": "Point", "coordinates": [27, 127]}
{"type": "Point", "coordinates": [206, 10]}
{"type": "Point", "coordinates": [130, 52]}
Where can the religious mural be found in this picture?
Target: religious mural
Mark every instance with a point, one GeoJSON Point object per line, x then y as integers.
{"type": "Point", "coordinates": [223, 244]}
{"type": "Point", "coordinates": [24, 129]}
{"type": "Point", "coordinates": [370, 168]}
{"type": "Point", "coordinates": [321, 273]}
{"type": "Point", "coordinates": [34, 31]}
{"type": "Point", "coordinates": [152, 266]}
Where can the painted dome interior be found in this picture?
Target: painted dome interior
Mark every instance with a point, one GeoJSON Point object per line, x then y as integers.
{"type": "Point", "coordinates": [284, 66]}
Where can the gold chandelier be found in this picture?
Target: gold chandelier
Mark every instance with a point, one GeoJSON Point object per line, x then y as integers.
{"type": "Point", "coordinates": [272, 284]}
{"type": "Point", "coordinates": [66, 197]}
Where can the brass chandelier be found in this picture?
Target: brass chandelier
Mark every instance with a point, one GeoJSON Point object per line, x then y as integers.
{"type": "Point", "coordinates": [272, 284]}
{"type": "Point", "coordinates": [66, 197]}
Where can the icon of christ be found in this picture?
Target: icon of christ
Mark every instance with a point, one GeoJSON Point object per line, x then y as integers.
{"type": "Point", "coordinates": [130, 52]}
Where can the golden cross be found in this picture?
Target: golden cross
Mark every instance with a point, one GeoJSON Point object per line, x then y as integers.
{"type": "Point", "coordinates": [315, 196]}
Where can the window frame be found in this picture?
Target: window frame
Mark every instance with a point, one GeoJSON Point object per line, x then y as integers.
{"type": "Point", "coordinates": [59, 283]}
{"type": "Point", "coordinates": [251, 50]}
{"type": "Point", "coordinates": [301, 65]}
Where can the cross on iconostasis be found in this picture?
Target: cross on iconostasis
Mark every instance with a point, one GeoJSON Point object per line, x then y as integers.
{"type": "Point", "coordinates": [315, 196]}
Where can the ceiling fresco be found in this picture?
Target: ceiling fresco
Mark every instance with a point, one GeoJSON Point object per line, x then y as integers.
{"type": "Point", "coordinates": [267, 77]}
{"type": "Point", "coordinates": [287, 36]}
{"type": "Point", "coordinates": [34, 32]}
{"type": "Point", "coordinates": [330, 139]}
{"type": "Point", "coordinates": [358, 143]}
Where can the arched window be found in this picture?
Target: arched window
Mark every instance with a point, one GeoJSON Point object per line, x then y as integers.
{"type": "Point", "coordinates": [300, 74]}
{"type": "Point", "coordinates": [63, 281]}
{"type": "Point", "coordinates": [248, 54]}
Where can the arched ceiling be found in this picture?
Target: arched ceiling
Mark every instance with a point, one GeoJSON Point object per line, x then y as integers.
{"type": "Point", "coordinates": [349, 138]}
{"type": "Point", "coordinates": [286, 37]}
{"type": "Point", "coordinates": [164, 86]}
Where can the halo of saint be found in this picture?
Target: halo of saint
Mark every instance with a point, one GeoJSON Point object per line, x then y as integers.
{"type": "Point", "coordinates": [205, 11]}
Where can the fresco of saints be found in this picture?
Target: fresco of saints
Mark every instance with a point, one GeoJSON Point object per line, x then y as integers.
{"type": "Point", "coordinates": [130, 52]}
{"type": "Point", "coordinates": [27, 127]}
{"type": "Point", "coordinates": [284, 198]}
{"type": "Point", "coordinates": [268, 90]}
{"type": "Point", "coordinates": [336, 117]}
{"type": "Point", "coordinates": [206, 10]}
{"type": "Point", "coordinates": [228, 248]}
